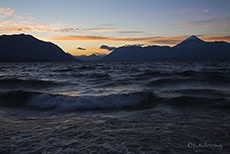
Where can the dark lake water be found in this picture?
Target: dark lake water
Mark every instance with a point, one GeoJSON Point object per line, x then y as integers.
{"type": "Point", "coordinates": [115, 107]}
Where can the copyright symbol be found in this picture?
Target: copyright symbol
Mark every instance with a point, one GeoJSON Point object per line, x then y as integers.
{"type": "Point", "coordinates": [190, 145]}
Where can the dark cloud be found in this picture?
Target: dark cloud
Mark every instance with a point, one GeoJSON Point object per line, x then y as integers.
{"type": "Point", "coordinates": [79, 48]}
{"type": "Point", "coordinates": [68, 30]}
{"type": "Point", "coordinates": [107, 47]}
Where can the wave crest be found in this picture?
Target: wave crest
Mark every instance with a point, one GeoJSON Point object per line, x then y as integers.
{"type": "Point", "coordinates": [70, 103]}
{"type": "Point", "coordinates": [138, 100]}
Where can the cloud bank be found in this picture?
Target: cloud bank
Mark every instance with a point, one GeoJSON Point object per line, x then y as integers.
{"type": "Point", "coordinates": [157, 40]}
{"type": "Point", "coordinates": [26, 24]}
{"type": "Point", "coordinates": [152, 40]}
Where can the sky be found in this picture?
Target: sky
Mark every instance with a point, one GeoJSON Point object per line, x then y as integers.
{"type": "Point", "coordinates": [80, 27]}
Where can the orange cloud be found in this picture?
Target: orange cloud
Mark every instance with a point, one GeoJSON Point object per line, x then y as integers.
{"type": "Point", "coordinates": [189, 24]}
{"type": "Point", "coordinates": [206, 10]}
{"type": "Point", "coordinates": [15, 29]}
{"type": "Point", "coordinates": [34, 28]}
{"type": "Point", "coordinates": [4, 12]}
{"type": "Point", "coordinates": [157, 40]}
{"type": "Point", "coordinates": [93, 38]}
{"type": "Point", "coordinates": [10, 25]}
{"type": "Point", "coordinates": [223, 38]}
{"type": "Point", "coordinates": [98, 49]}
{"type": "Point", "coordinates": [152, 40]}
{"type": "Point", "coordinates": [19, 23]}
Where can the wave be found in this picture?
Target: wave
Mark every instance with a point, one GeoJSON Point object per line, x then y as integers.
{"type": "Point", "coordinates": [69, 103]}
{"type": "Point", "coordinates": [64, 70]}
{"type": "Point", "coordinates": [171, 81]}
{"type": "Point", "coordinates": [210, 93]}
{"type": "Point", "coordinates": [149, 74]}
{"type": "Point", "coordinates": [189, 80]}
{"type": "Point", "coordinates": [87, 75]}
{"type": "Point", "coordinates": [139, 100]}
{"type": "Point", "coordinates": [86, 67]}
{"type": "Point", "coordinates": [15, 82]}
{"type": "Point", "coordinates": [219, 77]}
{"type": "Point", "coordinates": [74, 69]}
{"type": "Point", "coordinates": [188, 73]}
{"type": "Point", "coordinates": [99, 75]}
{"type": "Point", "coordinates": [191, 101]}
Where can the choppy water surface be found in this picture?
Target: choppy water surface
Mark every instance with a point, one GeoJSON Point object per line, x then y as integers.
{"type": "Point", "coordinates": [115, 107]}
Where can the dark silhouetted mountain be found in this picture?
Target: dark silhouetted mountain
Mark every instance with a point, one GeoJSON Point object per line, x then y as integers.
{"type": "Point", "coordinates": [194, 48]}
{"type": "Point", "coordinates": [28, 48]}
{"type": "Point", "coordinates": [135, 52]}
{"type": "Point", "coordinates": [191, 49]}
{"type": "Point", "coordinates": [93, 57]}
{"type": "Point", "coordinates": [191, 42]}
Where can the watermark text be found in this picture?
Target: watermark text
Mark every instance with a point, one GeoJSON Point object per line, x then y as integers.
{"type": "Point", "coordinates": [205, 145]}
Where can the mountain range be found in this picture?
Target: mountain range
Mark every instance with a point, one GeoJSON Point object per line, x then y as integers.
{"type": "Point", "coordinates": [28, 48]}
{"type": "Point", "coordinates": [191, 49]}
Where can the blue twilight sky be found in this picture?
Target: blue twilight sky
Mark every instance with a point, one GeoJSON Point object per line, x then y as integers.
{"type": "Point", "coordinates": [88, 24]}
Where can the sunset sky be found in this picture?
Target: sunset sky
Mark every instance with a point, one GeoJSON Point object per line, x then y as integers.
{"type": "Point", "coordinates": [82, 26]}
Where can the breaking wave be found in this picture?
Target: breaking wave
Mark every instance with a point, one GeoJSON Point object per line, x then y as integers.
{"type": "Point", "coordinates": [70, 103]}
{"type": "Point", "coordinates": [139, 100]}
